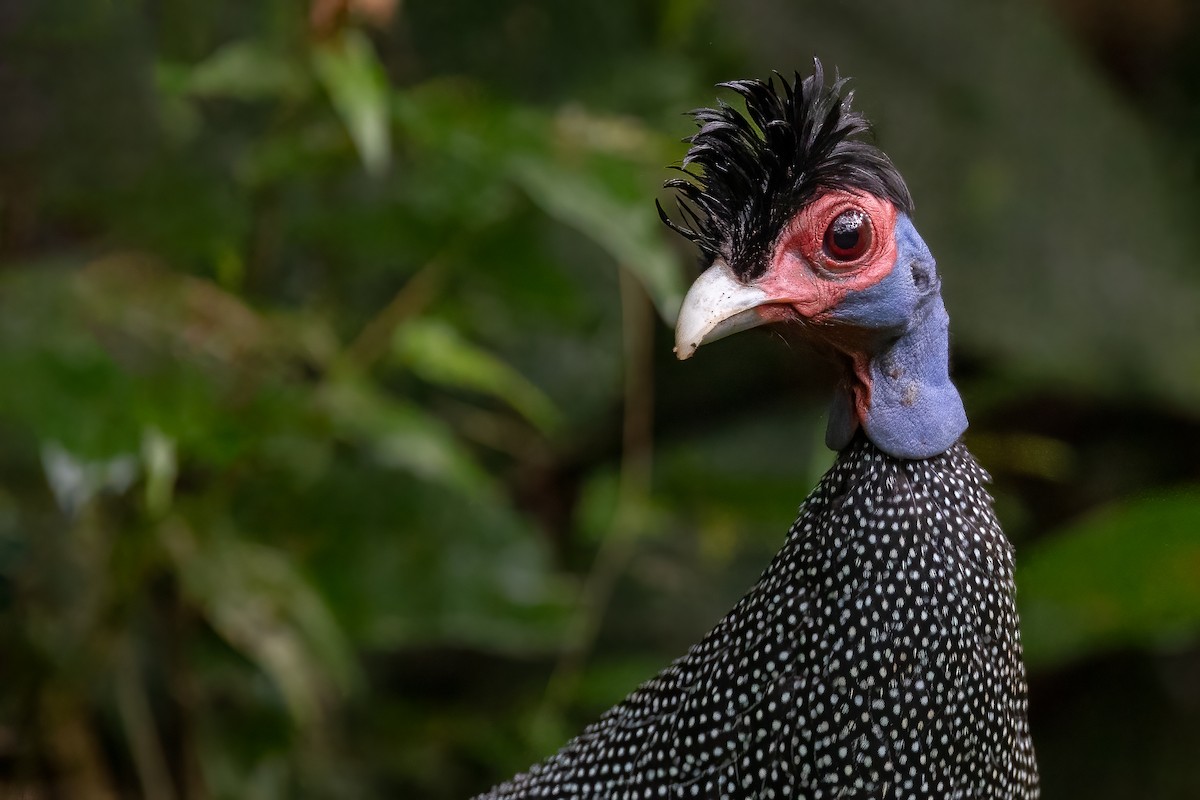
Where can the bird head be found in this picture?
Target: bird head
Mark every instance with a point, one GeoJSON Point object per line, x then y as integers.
{"type": "Point", "coordinates": [803, 222]}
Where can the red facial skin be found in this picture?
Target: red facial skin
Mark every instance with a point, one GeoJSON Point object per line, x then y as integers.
{"type": "Point", "coordinates": [803, 276]}
{"type": "Point", "coordinates": [804, 280]}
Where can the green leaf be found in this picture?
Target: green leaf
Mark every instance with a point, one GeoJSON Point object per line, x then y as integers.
{"type": "Point", "coordinates": [358, 86]}
{"type": "Point", "coordinates": [160, 463]}
{"type": "Point", "coordinates": [400, 435]}
{"type": "Point", "coordinates": [1128, 576]}
{"type": "Point", "coordinates": [591, 172]}
{"type": "Point", "coordinates": [242, 70]}
{"type": "Point", "coordinates": [605, 205]}
{"type": "Point", "coordinates": [439, 354]}
{"type": "Point", "coordinates": [257, 599]}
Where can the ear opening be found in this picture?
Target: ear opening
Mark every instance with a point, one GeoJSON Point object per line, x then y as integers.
{"type": "Point", "coordinates": [920, 274]}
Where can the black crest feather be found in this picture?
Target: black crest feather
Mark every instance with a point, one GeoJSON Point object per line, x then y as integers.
{"type": "Point", "coordinates": [756, 170]}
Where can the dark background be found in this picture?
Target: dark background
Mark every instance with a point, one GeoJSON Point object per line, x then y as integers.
{"type": "Point", "coordinates": [342, 452]}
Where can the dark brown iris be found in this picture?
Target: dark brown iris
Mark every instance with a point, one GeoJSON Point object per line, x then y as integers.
{"type": "Point", "coordinates": [848, 236]}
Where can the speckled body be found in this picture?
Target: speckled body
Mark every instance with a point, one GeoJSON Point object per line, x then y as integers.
{"type": "Point", "coordinates": [877, 656]}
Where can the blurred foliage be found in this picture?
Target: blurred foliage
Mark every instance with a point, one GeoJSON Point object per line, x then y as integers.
{"type": "Point", "coordinates": [1137, 588]}
{"type": "Point", "coordinates": [343, 450]}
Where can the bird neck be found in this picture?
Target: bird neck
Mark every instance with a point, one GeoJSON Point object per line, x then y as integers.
{"type": "Point", "coordinates": [898, 390]}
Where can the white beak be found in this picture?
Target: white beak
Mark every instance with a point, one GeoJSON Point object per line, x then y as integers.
{"type": "Point", "coordinates": [717, 305]}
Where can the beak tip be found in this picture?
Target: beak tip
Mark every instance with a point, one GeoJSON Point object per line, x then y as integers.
{"type": "Point", "coordinates": [717, 305]}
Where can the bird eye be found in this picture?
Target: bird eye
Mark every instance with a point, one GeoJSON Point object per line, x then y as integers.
{"type": "Point", "coordinates": [848, 236]}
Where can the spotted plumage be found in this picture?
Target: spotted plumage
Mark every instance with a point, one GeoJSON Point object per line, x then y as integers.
{"type": "Point", "coordinates": [877, 656]}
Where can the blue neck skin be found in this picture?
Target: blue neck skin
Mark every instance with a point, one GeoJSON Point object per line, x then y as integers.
{"type": "Point", "coordinates": [902, 329]}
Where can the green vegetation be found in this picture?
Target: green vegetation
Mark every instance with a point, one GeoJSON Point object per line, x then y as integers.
{"type": "Point", "coordinates": [342, 451]}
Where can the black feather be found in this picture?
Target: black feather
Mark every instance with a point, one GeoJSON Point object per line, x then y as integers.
{"type": "Point", "coordinates": [746, 175]}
